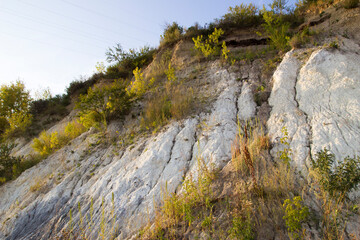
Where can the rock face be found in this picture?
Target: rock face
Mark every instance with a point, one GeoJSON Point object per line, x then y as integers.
{"type": "Point", "coordinates": [39, 207]}
{"type": "Point", "coordinates": [318, 101]}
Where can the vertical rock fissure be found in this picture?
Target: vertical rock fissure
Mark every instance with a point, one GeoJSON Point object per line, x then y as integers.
{"type": "Point", "coordinates": [307, 120]}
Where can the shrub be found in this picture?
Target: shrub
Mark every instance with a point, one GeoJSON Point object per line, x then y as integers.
{"type": "Point", "coordinates": [80, 86]}
{"type": "Point", "coordinates": [73, 129]}
{"type": "Point", "coordinates": [172, 33]}
{"type": "Point", "coordinates": [225, 51]}
{"type": "Point", "coordinates": [337, 180]}
{"type": "Point", "coordinates": [170, 74]}
{"type": "Point", "coordinates": [100, 104]}
{"type": "Point", "coordinates": [126, 62]}
{"type": "Point", "coordinates": [242, 15]}
{"type": "Point", "coordinates": [210, 46]}
{"type": "Point", "coordinates": [7, 162]}
{"type": "Point", "coordinates": [300, 38]}
{"type": "Point", "coordinates": [160, 64]}
{"type": "Point", "coordinates": [243, 226]}
{"type": "Point", "coordinates": [276, 29]}
{"type": "Point", "coordinates": [295, 214]}
{"type": "Point", "coordinates": [139, 86]}
{"type": "Point", "coordinates": [196, 30]}
{"type": "Point", "coordinates": [100, 67]}
{"type": "Point", "coordinates": [14, 108]}
{"type": "Point", "coordinates": [47, 143]}
{"type": "Point", "coordinates": [348, 4]}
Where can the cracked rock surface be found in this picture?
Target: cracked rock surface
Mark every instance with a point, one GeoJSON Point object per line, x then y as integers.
{"type": "Point", "coordinates": [318, 101]}
{"type": "Point", "coordinates": [137, 177]}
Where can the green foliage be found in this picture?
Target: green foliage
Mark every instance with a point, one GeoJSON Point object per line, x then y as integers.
{"type": "Point", "coordinates": [157, 112]}
{"type": "Point", "coordinates": [285, 154]}
{"type": "Point", "coordinates": [180, 208]}
{"type": "Point", "coordinates": [276, 29]}
{"type": "Point", "coordinates": [80, 85]}
{"type": "Point", "coordinates": [14, 108]}
{"type": "Point", "coordinates": [337, 180]}
{"type": "Point", "coordinates": [349, 4]}
{"type": "Point", "coordinates": [279, 6]}
{"type": "Point", "coordinates": [170, 74]}
{"type": "Point", "coordinates": [242, 227]}
{"type": "Point", "coordinates": [295, 214]}
{"type": "Point", "coordinates": [126, 62]}
{"type": "Point", "coordinates": [242, 15]}
{"type": "Point", "coordinates": [73, 129]}
{"type": "Point", "coordinates": [43, 94]}
{"type": "Point", "coordinates": [100, 67]}
{"type": "Point", "coordinates": [139, 86]}
{"type": "Point", "coordinates": [175, 103]}
{"type": "Point", "coordinates": [172, 33]}
{"type": "Point", "coordinates": [210, 46]}
{"type": "Point", "coordinates": [300, 38]}
{"type": "Point", "coordinates": [101, 103]}
{"type": "Point", "coordinates": [224, 51]}
{"type": "Point", "coordinates": [7, 162]}
{"type": "Point", "coordinates": [47, 143]}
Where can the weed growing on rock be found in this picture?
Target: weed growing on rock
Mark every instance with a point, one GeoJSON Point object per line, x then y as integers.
{"type": "Point", "coordinates": [295, 214]}
{"type": "Point", "coordinates": [285, 154]}
{"type": "Point", "coordinates": [84, 228]}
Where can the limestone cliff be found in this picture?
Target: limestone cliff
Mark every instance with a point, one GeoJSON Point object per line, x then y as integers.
{"type": "Point", "coordinates": [315, 94]}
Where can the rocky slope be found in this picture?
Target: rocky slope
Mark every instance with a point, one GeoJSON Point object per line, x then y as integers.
{"type": "Point", "coordinates": [136, 176]}
{"type": "Point", "coordinates": [315, 94]}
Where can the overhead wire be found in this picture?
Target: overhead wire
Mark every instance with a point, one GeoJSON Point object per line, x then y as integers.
{"type": "Point", "coordinates": [83, 22]}
{"type": "Point", "coordinates": [106, 16]}
{"type": "Point", "coordinates": [50, 33]}
{"type": "Point", "coordinates": [58, 27]}
{"type": "Point", "coordinates": [50, 44]}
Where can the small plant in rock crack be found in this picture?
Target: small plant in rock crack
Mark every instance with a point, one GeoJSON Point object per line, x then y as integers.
{"type": "Point", "coordinates": [285, 154]}
{"type": "Point", "coordinates": [295, 214]}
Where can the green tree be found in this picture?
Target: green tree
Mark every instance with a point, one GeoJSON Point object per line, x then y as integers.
{"type": "Point", "coordinates": [14, 108]}
{"type": "Point", "coordinates": [172, 33]}
{"type": "Point", "coordinates": [276, 29]}
{"type": "Point", "coordinates": [7, 162]}
{"type": "Point", "coordinates": [100, 103]}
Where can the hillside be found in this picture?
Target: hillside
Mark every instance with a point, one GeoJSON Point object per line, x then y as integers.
{"type": "Point", "coordinates": [206, 147]}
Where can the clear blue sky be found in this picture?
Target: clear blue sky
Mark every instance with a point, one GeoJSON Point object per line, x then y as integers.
{"type": "Point", "coordinates": [49, 43]}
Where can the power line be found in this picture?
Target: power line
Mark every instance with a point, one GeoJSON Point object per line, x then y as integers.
{"type": "Point", "coordinates": [50, 44]}
{"type": "Point", "coordinates": [83, 22]}
{"type": "Point", "coordinates": [54, 34]}
{"type": "Point", "coordinates": [106, 16]}
{"type": "Point", "coordinates": [84, 34]}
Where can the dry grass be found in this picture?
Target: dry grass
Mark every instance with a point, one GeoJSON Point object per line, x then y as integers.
{"type": "Point", "coordinates": [39, 186]}
{"type": "Point", "coordinates": [176, 102]}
